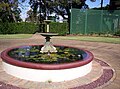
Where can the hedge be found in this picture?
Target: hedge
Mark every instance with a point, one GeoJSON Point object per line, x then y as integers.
{"type": "Point", "coordinates": [117, 33]}
{"type": "Point", "coordinates": [18, 28]}
{"type": "Point", "coordinates": [30, 28]}
{"type": "Point", "coordinates": [60, 28]}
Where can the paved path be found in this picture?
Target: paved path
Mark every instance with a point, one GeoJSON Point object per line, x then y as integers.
{"type": "Point", "coordinates": [104, 75]}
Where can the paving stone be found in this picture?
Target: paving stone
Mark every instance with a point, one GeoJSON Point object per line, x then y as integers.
{"type": "Point", "coordinates": [106, 52]}
{"type": "Point", "coordinates": [112, 86]}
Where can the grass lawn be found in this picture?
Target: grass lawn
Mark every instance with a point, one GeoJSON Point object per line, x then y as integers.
{"type": "Point", "coordinates": [80, 38]}
{"type": "Point", "coordinates": [16, 36]}
{"type": "Point", "coordinates": [93, 39]}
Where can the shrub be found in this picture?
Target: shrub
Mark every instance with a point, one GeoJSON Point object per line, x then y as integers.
{"type": "Point", "coordinates": [60, 28]}
{"type": "Point", "coordinates": [30, 28]}
{"type": "Point", "coordinates": [18, 28]}
{"type": "Point", "coordinates": [117, 33]}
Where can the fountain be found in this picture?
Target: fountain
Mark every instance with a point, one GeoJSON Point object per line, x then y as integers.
{"type": "Point", "coordinates": [47, 23]}
{"type": "Point", "coordinates": [48, 47]}
{"type": "Point", "coordinates": [47, 62]}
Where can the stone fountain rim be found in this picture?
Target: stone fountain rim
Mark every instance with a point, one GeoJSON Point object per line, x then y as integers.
{"type": "Point", "coordinates": [49, 34]}
{"type": "Point", "coordinates": [6, 58]}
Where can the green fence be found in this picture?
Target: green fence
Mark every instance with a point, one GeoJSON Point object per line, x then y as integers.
{"type": "Point", "coordinates": [94, 21]}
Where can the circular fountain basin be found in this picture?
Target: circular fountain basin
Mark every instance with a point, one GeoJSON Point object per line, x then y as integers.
{"type": "Point", "coordinates": [43, 72]}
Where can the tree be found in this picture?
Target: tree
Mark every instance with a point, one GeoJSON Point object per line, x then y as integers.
{"type": "Point", "coordinates": [32, 17]}
{"type": "Point", "coordinates": [60, 7]}
{"type": "Point", "coordinates": [114, 4]}
{"type": "Point", "coordinates": [9, 11]}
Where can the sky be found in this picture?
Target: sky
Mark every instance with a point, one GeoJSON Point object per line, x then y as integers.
{"type": "Point", "coordinates": [97, 3]}
{"type": "Point", "coordinates": [25, 6]}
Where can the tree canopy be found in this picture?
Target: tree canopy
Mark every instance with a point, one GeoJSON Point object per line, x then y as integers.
{"type": "Point", "coordinates": [60, 7]}
{"type": "Point", "coordinates": [43, 8]}
{"type": "Point", "coordinates": [9, 11]}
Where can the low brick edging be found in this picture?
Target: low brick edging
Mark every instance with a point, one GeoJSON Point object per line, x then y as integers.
{"type": "Point", "coordinates": [105, 77]}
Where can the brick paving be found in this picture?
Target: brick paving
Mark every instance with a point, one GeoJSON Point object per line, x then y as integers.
{"type": "Point", "coordinates": [105, 73]}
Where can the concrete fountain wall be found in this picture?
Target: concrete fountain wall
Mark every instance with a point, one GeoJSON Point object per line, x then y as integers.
{"type": "Point", "coordinates": [46, 72]}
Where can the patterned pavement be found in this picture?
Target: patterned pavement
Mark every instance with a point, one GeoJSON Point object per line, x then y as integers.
{"type": "Point", "coordinates": [105, 73]}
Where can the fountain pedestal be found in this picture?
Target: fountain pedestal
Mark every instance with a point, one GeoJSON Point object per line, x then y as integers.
{"type": "Point", "coordinates": [47, 23]}
{"type": "Point", "coordinates": [48, 46]}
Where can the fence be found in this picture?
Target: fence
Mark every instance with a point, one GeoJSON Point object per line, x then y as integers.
{"type": "Point", "coordinates": [94, 21]}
